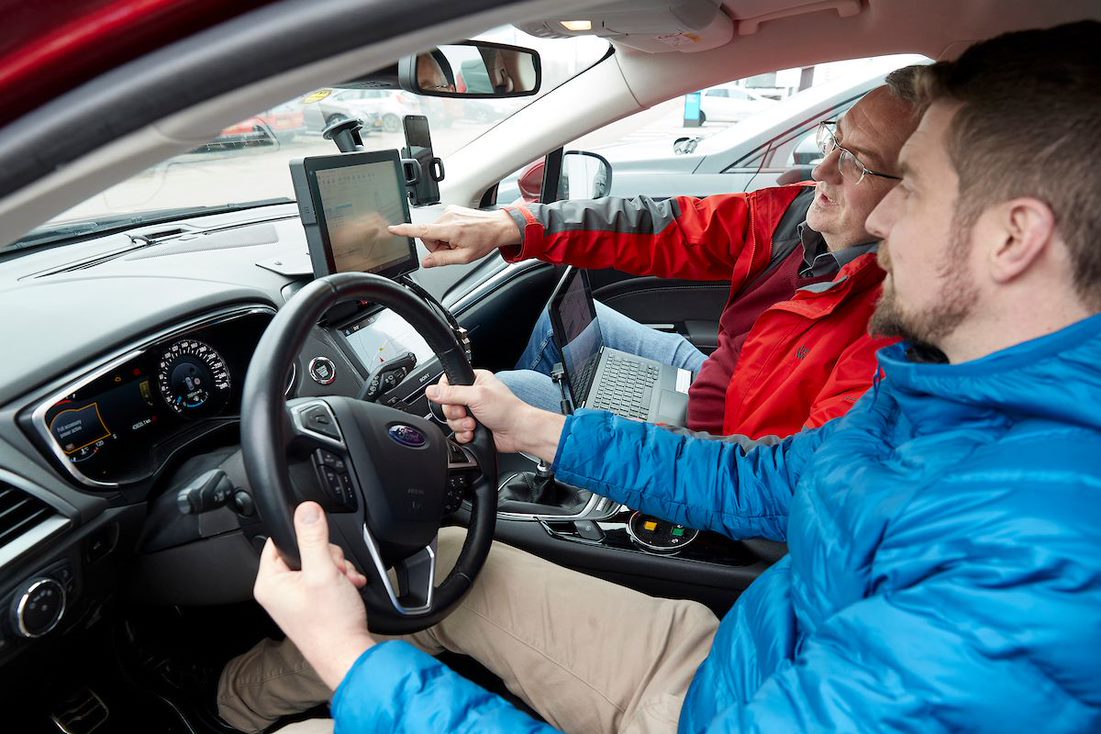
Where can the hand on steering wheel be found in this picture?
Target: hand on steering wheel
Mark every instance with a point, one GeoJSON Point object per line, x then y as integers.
{"type": "Point", "coordinates": [517, 427]}
{"type": "Point", "coordinates": [318, 607]}
{"type": "Point", "coordinates": [490, 401]}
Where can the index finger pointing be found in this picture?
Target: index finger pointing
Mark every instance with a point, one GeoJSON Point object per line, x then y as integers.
{"type": "Point", "coordinates": [412, 230]}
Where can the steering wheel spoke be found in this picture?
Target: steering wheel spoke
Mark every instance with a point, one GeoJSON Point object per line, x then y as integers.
{"type": "Point", "coordinates": [410, 584]}
{"type": "Point", "coordinates": [314, 423]}
{"type": "Point", "coordinates": [318, 461]}
{"type": "Point", "coordinates": [463, 472]}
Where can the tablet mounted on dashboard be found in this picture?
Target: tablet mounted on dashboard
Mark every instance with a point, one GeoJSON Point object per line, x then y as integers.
{"type": "Point", "coordinates": [346, 202]}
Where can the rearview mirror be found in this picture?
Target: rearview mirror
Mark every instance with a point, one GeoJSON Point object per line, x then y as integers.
{"type": "Point", "coordinates": [472, 70]}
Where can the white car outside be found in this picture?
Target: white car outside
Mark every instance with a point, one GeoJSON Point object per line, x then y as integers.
{"type": "Point", "coordinates": [729, 103]}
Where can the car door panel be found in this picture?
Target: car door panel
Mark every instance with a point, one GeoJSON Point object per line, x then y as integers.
{"type": "Point", "coordinates": [664, 303]}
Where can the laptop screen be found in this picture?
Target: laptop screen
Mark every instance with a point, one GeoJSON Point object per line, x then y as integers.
{"type": "Point", "coordinates": [577, 331]}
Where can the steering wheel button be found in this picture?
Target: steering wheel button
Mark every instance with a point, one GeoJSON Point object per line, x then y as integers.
{"type": "Point", "coordinates": [328, 458]}
{"type": "Point", "coordinates": [318, 419]}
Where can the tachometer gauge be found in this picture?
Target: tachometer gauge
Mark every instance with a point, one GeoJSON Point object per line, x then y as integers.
{"type": "Point", "coordinates": [193, 378]}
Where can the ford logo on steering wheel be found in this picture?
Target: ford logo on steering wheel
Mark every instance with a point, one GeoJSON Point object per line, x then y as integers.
{"type": "Point", "coordinates": [407, 436]}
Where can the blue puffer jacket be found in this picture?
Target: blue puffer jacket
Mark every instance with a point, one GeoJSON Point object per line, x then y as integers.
{"type": "Point", "coordinates": [945, 564]}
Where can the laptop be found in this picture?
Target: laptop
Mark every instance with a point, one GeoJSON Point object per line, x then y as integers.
{"type": "Point", "coordinates": [604, 378]}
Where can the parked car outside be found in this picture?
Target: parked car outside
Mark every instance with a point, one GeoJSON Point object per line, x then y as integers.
{"type": "Point", "coordinates": [378, 108]}
{"type": "Point", "coordinates": [730, 103]}
{"type": "Point", "coordinates": [279, 124]}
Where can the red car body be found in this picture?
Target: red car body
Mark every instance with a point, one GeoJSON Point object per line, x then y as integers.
{"type": "Point", "coordinates": [50, 47]}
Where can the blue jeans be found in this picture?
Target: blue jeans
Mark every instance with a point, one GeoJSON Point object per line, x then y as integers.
{"type": "Point", "coordinates": [531, 381]}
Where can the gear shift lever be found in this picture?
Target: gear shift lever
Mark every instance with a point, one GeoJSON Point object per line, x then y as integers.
{"type": "Point", "coordinates": [537, 492]}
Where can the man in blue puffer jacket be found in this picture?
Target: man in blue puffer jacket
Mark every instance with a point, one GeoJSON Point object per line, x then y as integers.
{"type": "Point", "coordinates": [945, 537]}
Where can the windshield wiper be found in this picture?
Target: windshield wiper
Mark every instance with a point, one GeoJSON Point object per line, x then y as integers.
{"type": "Point", "coordinates": [113, 224]}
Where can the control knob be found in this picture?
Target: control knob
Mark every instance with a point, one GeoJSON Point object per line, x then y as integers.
{"type": "Point", "coordinates": [37, 606]}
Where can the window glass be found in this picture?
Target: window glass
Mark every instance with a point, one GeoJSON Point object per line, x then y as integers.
{"type": "Point", "coordinates": [763, 123]}
{"type": "Point", "coordinates": [747, 107]}
{"type": "Point", "coordinates": [247, 163]}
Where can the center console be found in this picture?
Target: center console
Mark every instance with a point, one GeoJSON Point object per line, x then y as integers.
{"type": "Point", "coordinates": [375, 338]}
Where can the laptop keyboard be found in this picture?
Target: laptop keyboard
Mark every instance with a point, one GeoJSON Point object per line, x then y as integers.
{"type": "Point", "coordinates": [626, 387]}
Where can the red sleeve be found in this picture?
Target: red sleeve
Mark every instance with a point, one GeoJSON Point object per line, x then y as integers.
{"type": "Point", "coordinates": [850, 378]}
{"type": "Point", "coordinates": [726, 237]}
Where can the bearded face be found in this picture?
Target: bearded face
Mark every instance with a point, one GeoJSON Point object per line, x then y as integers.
{"type": "Point", "coordinates": [955, 297]}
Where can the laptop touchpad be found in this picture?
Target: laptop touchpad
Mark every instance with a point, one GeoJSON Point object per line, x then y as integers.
{"type": "Point", "coordinates": [672, 407]}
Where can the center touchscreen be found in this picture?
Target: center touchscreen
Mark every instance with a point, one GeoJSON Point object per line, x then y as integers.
{"type": "Point", "coordinates": [383, 336]}
{"type": "Point", "coordinates": [346, 202]}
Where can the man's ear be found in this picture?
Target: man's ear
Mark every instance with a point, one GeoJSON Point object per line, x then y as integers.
{"type": "Point", "coordinates": [1026, 228]}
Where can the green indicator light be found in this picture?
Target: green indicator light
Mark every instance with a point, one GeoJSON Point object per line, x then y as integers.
{"type": "Point", "coordinates": [678, 532]}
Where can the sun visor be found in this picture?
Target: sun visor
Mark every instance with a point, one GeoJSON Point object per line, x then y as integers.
{"type": "Point", "coordinates": [654, 26]}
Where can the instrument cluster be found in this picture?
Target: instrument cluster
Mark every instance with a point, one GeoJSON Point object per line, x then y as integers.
{"type": "Point", "coordinates": [121, 423]}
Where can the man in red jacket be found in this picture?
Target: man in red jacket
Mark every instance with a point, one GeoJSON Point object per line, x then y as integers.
{"type": "Point", "coordinates": [793, 350]}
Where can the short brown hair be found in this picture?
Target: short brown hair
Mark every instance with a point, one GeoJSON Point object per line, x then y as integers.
{"type": "Point", "coordinates": [1028, 125]}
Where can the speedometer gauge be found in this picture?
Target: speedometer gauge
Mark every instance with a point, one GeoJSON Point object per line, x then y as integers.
{"type": "Point", "coordinates": [193, 378]}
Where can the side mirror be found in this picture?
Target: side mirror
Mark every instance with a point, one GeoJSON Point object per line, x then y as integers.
{"type": "Point", "coordinates": [472, 70]}
{"type": "Point", "coordinates": [584, 175]}
{"type": "Point", "coordinates": [685, 145]}
{"type": "Point", "coordinates": [576, 174]}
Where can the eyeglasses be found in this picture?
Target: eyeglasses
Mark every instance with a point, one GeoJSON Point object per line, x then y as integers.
{"type": "Point", "coordinates": [848, 164]}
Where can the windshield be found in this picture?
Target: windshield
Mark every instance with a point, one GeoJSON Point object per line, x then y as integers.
{"type": "Point", "coordinates": [246, 165]}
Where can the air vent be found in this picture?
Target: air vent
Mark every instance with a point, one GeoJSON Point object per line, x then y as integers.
{"type": "Point", "coordinates": [20, 513]}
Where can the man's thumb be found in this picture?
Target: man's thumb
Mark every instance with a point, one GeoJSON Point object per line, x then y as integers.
{"type": "Point", "coordinates": [449, 394]}
{"type": "Point", "coordinates": [312, 530]}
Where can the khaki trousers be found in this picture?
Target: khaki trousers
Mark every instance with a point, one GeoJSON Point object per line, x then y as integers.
{"type": "Point", "coordinates": [588, 655]}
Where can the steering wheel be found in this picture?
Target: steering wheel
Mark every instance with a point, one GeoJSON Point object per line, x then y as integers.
{"type": "Point", "coordinates": [385, 478]}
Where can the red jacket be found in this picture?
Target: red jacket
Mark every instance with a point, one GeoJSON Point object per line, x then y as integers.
{"type": "Point", "coordinates": [805, 361]}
